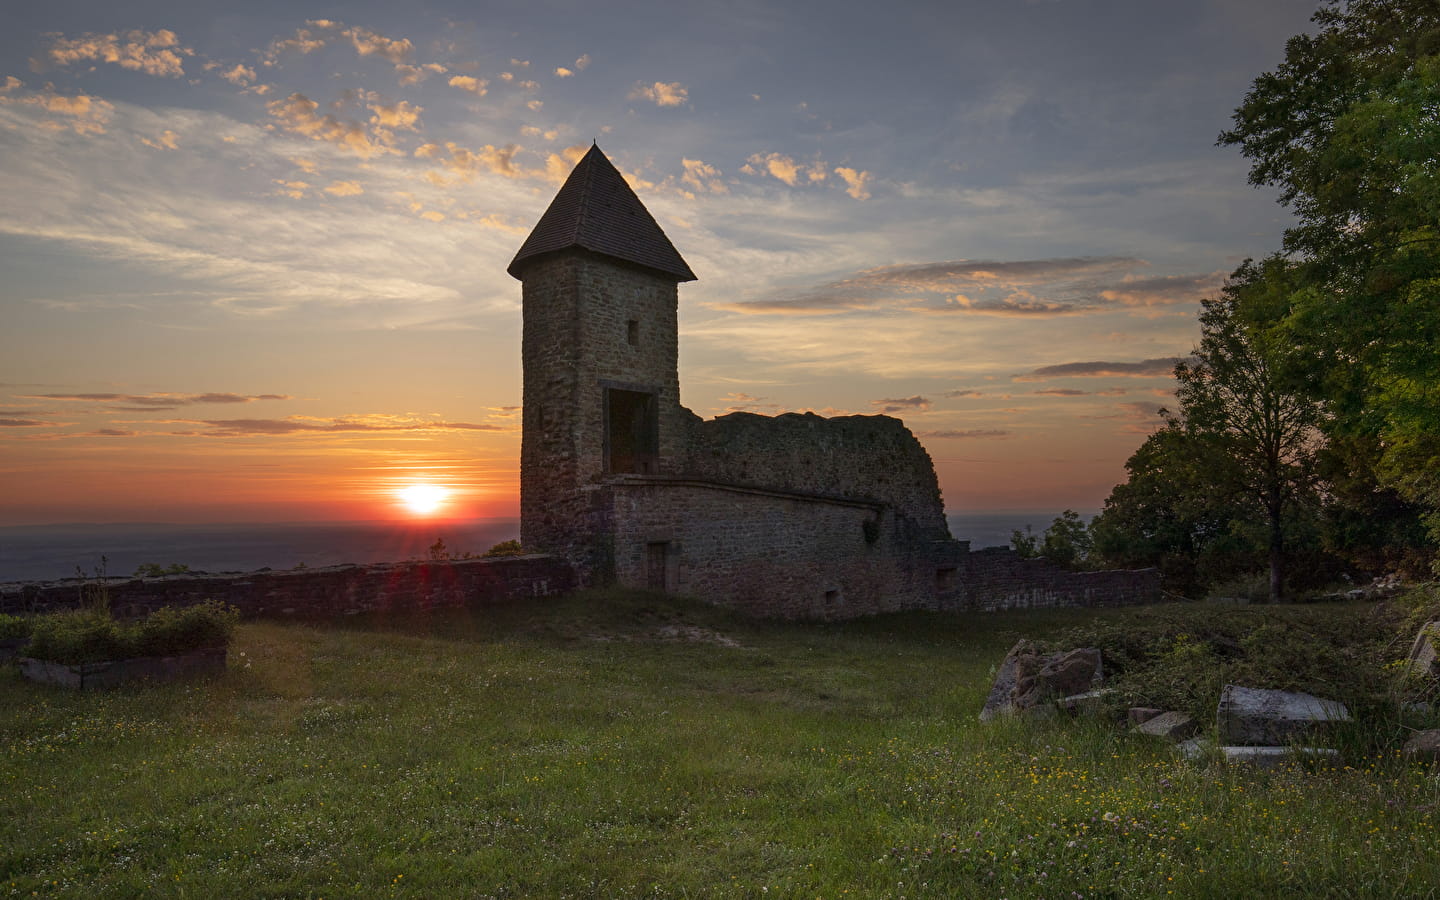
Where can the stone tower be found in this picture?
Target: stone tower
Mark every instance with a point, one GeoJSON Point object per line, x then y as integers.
{"type": "Point", "coordinates": [599, 350]}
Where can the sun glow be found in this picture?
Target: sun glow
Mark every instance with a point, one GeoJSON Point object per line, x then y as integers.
{"type": "Point", "coordinates": [423, 499]}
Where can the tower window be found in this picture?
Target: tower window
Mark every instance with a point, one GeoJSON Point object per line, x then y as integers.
{"type": "Point", "coordinates": [632, 332]}
{"type": "Point", "coordinates": [632, 431]}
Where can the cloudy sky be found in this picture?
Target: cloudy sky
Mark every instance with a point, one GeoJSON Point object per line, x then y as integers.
{"type": "Point", "coordinates": [253, 254]}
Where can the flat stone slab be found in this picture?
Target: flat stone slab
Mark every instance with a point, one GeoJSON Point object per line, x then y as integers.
{"type": "Point", "coordinates": [1275, 757]}
{"type": "Point", "coordinates": [1139, 715]}
{"type": "Point", "coordinates": [1422, 652]}
{"type": "Point", "coordinates": [1090, 702]}
{"type": "Point", "coordinates": [1263, 718]}
{"type": "Point", "coordinates": [99, 676]}
{"type": "Point", "coordinates": [1172, 726]}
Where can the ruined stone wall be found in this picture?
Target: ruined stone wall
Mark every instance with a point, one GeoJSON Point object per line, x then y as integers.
{"type": "Point", "coordinates": [577, 341]}
{"type": "Point", "coordinates": [321, 593]}
{"type": "Point", "coordinates": [998, 578]}
{"type": "Point", "coordinates": [771, 554]}
{"type": "Point", "coordinates": [872, 458]}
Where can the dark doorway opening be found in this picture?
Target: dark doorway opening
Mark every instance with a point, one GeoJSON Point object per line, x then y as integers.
{"type": "Point", "coordinates": [657, 566]}
{"type": "Point", "coordinates": [632, 432]}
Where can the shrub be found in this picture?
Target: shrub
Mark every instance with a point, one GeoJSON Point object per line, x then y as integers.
{"type": "Point", "coordinates": [12, 627]}
{"type": "Point", "coordinates": [155, 570]}
{"type": "Point", "coordinates": [506, 548]}
{"type": "Point", "coordinates": [87, 635]}
{"type": "Point", "coordinates": [77, 636]}
{"type": "Point", "coordinates": [172, 630]}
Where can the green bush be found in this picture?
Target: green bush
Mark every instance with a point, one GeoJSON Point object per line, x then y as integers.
{"type": "Point", "coordinates": [77, 636]}
{"type": "Point", "coordinates": [172, 630]}
{"type": "Point", "coordinates": [505, 548]}
{"type": "Point", "coordinates": [12, 627]}
{"type": "Point", "coordinates": [86, 636]}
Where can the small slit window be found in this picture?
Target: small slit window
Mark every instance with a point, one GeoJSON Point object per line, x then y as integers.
{"type": "Point", "coordinates": [632, 332]}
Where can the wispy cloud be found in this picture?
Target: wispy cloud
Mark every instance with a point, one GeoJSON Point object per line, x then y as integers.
{"type": "Point", "coordinates": [309, 425]}
{"type": "Point", "coordinates": [900, 404]}
{"type": "Point", "coordinates": [1145, 368]}
{"type": "Point", "coordinates": [158, 400]}
{"type": "Point", "coordinates": [1038, 288]}
{"type": "Point", "coordinates": [965, 434]}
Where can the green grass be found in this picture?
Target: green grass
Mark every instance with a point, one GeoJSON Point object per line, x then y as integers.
{"type": "Point", "coordinates": [564, 750]}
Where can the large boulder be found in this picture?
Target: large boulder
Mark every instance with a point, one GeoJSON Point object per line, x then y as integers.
{"type": "Point", "coordinates": [1259, 717]}
{"type": "Point", "coordinates": [1422, 652]}
{"type": "Point", "coordinates": [1028, 678]}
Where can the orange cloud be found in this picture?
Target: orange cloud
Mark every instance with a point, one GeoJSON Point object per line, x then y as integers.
{"type": "Point", "coordinates": [166, 141]}
{"type": "Point", "coordinates": [660, 93]}
{"type": "Point", "coordinates": [299, 114]}
{"type": "Point", "coordinates": [476, 86]}
{"type": "Point", "coordinates": [152, 52]}
{"type": "Point", "coordinates": [702, 176]}
{"type": "Point", "coordinates": [784, 168]}
{"type": "Point", "coordinates": [345, 189]}
{"type": "Point", "coordinates": [857, 181]}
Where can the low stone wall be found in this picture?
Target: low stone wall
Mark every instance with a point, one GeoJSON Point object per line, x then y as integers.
{"type": "Point", "coordinates": [323, 593]}
{"type": "Point", "coordinates": [767, 554]}
{"type": "Point", "coordinates": [998, 578]}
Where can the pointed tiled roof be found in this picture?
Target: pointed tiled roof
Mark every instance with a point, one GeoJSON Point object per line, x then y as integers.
{"type": "Point", "coordinates": [596, 211]}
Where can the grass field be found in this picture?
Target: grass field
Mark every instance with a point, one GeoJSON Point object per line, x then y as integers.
{"type": "Point", "coordinates": [605, 746]}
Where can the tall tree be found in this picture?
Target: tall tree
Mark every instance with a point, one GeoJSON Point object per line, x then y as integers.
{"type": "Point", "coordinates": [1243, 404]}
{"type": "Point", "coordinates": [1348, 128]}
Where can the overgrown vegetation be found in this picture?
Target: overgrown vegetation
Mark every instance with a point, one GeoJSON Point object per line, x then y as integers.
{"type": "Point", "coordinates": [90, 635]}
{"type": "Point", "coordinates": [1180, 656]}
{"type": "Point", "coordinates": [13, 627]}
{"type": "Point", "coordinates": [611, 745]}
{"type": "Point", "coordinates": [506, 548]}
{"type": "Point", "coordinates": [155, 570]}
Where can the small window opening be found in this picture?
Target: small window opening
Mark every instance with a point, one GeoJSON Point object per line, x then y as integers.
{"type": "Point", "coordinates": [945, 579]}
{"type": "Point", "coordinates": [832, 599]}
{"type": "Point", "coordinates": [632, 332]}
{"type": "Point", "coordinates": [632, 432]}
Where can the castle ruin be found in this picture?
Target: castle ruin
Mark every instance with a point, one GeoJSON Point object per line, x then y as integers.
{"type": "Point", "coordinates": [792, 516]}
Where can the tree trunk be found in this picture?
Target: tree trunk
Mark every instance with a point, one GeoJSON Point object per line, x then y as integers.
{"type": "Point", "coordinates": [1277, 554]}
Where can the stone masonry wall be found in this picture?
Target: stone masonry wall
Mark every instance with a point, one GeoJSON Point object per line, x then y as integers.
{"type": "Point", "coordinates": [997, 578]}
{"type": "Point", "coordinates": [321, 593]}
{"type": "Point", "coordinates": [870, 458]}
{"type": "Point", "coordinates": [770, 554]}
{"type": "Point", "coordinates": [577, 342]}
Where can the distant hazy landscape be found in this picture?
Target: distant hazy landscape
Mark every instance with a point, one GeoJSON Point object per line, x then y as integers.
{"type": "Point", "coordinates": [54, 551]}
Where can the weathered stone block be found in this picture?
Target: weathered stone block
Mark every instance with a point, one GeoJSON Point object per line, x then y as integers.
{"type": "Point", "coordinates": [1138, 715]}
{"type": "Point", "coordinates": [1172, 726]}
{"type": "Point", "coordinates": [1424, 746]}
{"type": "Point", "coordinates": [1423, 653]}
{"type": "Point", "coordinates": [1027, 678]}
{"type": "Point", "coordinates": [1259, 717]}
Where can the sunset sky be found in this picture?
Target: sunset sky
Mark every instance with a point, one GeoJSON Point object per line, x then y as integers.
{"type": "Point", "coordinates": [254, 254]}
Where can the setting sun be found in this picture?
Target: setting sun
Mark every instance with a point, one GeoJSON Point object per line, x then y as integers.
{"type": "Point", "coordinates": [423, 499]}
